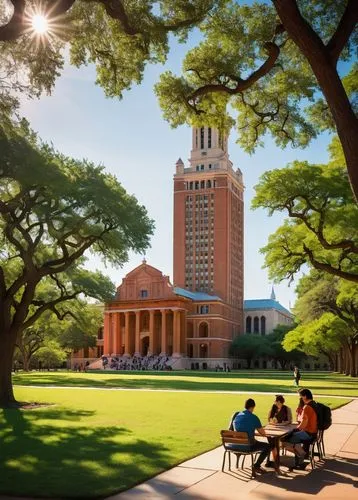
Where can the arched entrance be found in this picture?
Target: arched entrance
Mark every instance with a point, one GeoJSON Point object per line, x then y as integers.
{"type": "Point", "coordinates": [145, 345]}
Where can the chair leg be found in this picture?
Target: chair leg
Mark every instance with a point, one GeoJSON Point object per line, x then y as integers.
{"type": "Point", "coordinates": [229, 460]}
{"type": "Point", "coordinates": [253, 474]}
{"type": "Point", "coordinates": [323, 450]}
{"type": "Point", "coordinates": [243, 461]}
{"type": "Point", "coordinates": [223, 465]}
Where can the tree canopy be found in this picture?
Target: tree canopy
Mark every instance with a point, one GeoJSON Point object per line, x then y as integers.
{"type": "Point", "coordinates": [327, 309]}
{"type": "Point", "coordinates": [322, 225]}
{"type": "Point", "coordinates": [268, 67]}
{"type": "Point", "coordinates": [54, 209]}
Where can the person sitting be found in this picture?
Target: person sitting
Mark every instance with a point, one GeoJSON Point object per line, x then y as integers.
{"type": "Point", "coordinates": [306, 430]}
{"type": "Point", "coordinates": [280, 413]}
{"type": "Point", "coordinates": [246, 421]}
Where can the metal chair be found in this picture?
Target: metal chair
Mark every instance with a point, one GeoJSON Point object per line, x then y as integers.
{"type": "Point", "coordinates": [231, 441]}
{"type": "Point", "coordinates": [317, 444]}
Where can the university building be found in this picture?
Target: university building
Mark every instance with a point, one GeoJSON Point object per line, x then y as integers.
{"type": "Point", "coordinates": [194, 319]}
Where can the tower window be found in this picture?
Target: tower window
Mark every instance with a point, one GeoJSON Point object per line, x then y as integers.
{"type": "Point", "coordinates": [202, 138]}
{"type": "Point", "coordinates": [143, 294]}
{"type": "Point", "coordinates": [209, 137]}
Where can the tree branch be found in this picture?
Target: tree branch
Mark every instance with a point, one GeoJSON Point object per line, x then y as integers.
{"type": "Point", "coordinates": [49, 306]}
{"type": "Point", "coordinates": [344, 30]}
{"type": "Point", "coordinates": [273, 52]}
{"type": "Point", "coordinates": [328, 268]}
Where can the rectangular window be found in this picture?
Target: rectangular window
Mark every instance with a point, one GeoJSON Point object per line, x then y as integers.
{"type": "Point", "coordinates": [209, 137]}
{"type": "Point", "coordinates": [202, 138]}
{"type": "Point", "coordinates": [143, 294]}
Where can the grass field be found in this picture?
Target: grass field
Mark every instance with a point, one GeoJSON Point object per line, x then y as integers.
{"type": "Point", "coordinates": [91, 443]}
{"type": "Point", "coordinates": [258, 381]}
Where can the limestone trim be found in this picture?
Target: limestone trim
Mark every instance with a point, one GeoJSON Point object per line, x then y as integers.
{"type": "Point", "coordinates": [208, 339]}
{"type": "Point", "coordinates": [109, 311]}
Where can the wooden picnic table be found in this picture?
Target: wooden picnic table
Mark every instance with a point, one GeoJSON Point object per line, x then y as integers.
{"type": "Point", "coordinates": [276, 432]}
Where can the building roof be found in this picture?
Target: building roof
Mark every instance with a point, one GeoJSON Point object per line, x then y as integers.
{"type": "Point", "coordinates": [254, 304]}
{"type": "Point", "coordinates": [196, 296]}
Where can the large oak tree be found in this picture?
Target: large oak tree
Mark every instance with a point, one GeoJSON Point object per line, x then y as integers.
{"type": "Point", "coordinates": [53, 209]}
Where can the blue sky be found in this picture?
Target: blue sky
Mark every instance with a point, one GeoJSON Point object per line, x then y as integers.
{"type": "Point", "coordinates": [133, 141]}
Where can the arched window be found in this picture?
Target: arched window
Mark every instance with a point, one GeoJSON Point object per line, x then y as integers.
{"type": "Point", "coordinates": [263, 325]}
{"type": "Point", "coordinates": [203, 330]}
{"type": "Point", "coordinates": [256, 324]}
{"type": "Point", "coordinates": [202, 138]}
{"type": "Point", "coordinates": [248, 324]}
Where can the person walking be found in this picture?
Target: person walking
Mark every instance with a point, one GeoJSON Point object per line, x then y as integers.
{"type": "Point", "coordinates": [296, 376]}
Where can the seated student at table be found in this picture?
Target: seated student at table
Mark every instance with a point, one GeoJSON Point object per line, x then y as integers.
{"type": "Point", "coordinates": [280, 413]}
{"type": "Point", "coordinates": [246, 421]}
{"type": "Point", "coordinates": [306, 429]}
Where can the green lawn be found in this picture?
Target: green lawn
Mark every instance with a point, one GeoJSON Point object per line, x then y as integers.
{"type": "Point", "coordinates": [260, 381]}
{"type": "Point", "coordinates": [91, 443]}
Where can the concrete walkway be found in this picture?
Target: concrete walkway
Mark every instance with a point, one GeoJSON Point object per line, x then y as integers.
{"type": "Point", "coordinates": [201, 478]}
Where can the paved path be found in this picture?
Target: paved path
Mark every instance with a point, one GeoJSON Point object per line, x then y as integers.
{"type": "Point", "coordinates": [201, 478]}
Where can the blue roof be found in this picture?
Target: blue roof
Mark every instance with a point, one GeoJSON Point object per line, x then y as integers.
{"type": "Point", "coordinates": [196, 296]}
{"type": "Point", "coordinates": [253, 304]}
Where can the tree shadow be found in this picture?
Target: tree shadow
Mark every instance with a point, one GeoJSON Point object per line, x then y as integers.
{"type": "Point", "coordinates": [60, 459]}
{"type": "Point", "coordinates": [190, 381]}
{"type": "Point", "coordinates": [330, 472]}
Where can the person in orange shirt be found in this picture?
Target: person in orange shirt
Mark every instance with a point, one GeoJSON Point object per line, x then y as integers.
{"type": "Point", "coordinates": [306, 429]}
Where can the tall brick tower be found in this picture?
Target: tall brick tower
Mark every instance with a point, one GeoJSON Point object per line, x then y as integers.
{"type": "Point", "coordinates": [208, 221]}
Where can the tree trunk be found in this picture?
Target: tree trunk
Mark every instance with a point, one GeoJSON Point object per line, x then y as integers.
{"type": "Point", "coordinates": [352, 355]}
{"type": "Point", "coordinates": [7, 341]}
{"type": "Point", "coordinates": [324, 69]}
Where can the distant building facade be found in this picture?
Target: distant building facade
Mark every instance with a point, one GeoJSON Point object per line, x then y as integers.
{"type": "Point", "coordinates": [263, 315]}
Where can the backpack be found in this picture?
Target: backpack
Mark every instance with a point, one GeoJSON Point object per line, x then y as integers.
{"type": "Point", "coordinates": [324, 415]}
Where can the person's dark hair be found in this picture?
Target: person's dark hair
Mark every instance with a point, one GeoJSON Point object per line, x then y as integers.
{"type": "Point", "coordinates": [280, 399]}
{"type": "Point", "coordinates": [250, 403]}
{"type": "Point", "coordinates": [306, 393]}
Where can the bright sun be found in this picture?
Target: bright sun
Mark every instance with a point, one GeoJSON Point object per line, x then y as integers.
{"type": "Point", "coordinates": [39, 23]}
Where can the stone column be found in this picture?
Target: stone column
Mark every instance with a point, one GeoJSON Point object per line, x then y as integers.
{"type": "Point", "coordinates": [116, 333]}
{"type": "Point", "coordinates": [126, 334]}
{"type": "Point", "coordinates": [176, 334]}
{"type": "Point", "coordinates": [151, 332]}
{"type": "Point", "coordinates": [137, 333]}
{"type": "Point", "coordinates": [163, 337]}
{"type": "Point", "coordinates": [107, 334]}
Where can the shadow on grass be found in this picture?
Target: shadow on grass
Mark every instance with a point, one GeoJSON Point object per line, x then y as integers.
{"type": "Point", "coordinates": [63, 460]}
{"type": "Point", "coordinates": [188, 381]}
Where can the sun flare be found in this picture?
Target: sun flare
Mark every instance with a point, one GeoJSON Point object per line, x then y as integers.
{"type": "Point", "coordinates": [39, 24]}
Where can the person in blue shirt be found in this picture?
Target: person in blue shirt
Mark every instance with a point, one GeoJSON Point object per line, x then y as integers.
{"type": "Point", "coordinates": [246, 421]}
